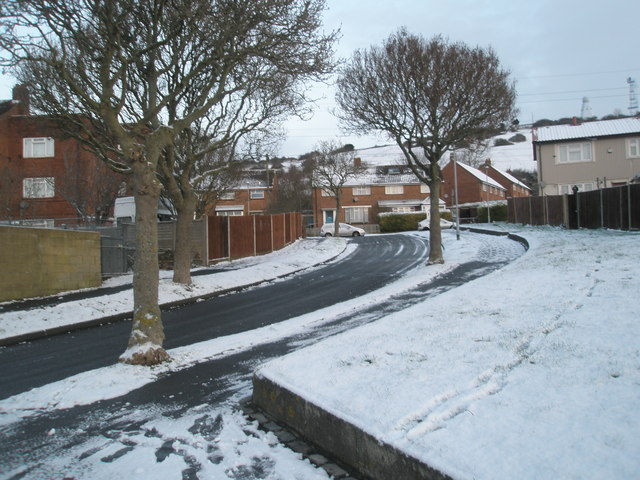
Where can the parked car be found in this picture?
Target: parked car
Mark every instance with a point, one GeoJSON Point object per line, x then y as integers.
{"type": "Point", "coordinates": [424, 224]}
{"type": "Point", "coordinates": [346, 230]}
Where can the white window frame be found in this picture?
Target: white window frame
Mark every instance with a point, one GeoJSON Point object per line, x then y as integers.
{"type": "Point", "coordinates": [424, 188]}
{"type": "Point", "coordinates": [633, 147]}
{"type": "Point", "coordinates": [38, 187]}
{"type": "Point", "coordinates": [229, 213]}
{"type": "Point", "coordinates": [356, 214]}
{"type": "Point", "coordinates": [567, 189]}
{"type": "Point", "coordinates": [578, 152]}
{"type": "Point", "coordinates": [361, 190]}
{"type": "Point", "coordinates": [228, 196]}
{"type": "Point", "coordinates": [256, 194]}
{"type": "Point", "coordinates": [394, 189]}
{"type": "Point", "coordinates": [327, 193]}
{"type": "Point", "coordinates": [38, 147]}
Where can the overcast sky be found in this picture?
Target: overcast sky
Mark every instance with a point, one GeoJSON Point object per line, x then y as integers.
{"type": "Point", "coordinates": [558, 52]}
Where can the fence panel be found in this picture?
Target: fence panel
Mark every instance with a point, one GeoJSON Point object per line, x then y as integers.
{"type": "Point", "coordinates": [264, 240]}
{"type": "Point", "coordinates": [218, 237]}
{"type": "Point", "coordinates": [115, 257]}
{"type": "Point", "coordinates": [279, 235]}
{"type": "Point", "coordinates": [241, 243]}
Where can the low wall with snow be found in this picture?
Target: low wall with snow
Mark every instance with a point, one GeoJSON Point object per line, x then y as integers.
{"type": "Point", "coordinates": [37, 262]}
{"type": "Point", "coordinates": [341, 439]}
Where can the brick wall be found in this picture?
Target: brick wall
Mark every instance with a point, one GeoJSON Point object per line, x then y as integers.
{"type": "Point", "coordinates": [37, 262]}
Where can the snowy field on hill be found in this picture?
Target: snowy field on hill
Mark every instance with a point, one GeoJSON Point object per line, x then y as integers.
{"type": "Point", "coordinates": [530, 372]}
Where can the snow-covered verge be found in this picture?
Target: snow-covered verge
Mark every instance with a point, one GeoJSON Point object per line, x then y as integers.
{"type": "Point", "coordinates": [300, 255]}
{"type": "Point", "coordinates": [530, 372]}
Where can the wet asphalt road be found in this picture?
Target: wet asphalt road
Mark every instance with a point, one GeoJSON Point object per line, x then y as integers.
{"type": "Point", "coordinates": [378, 260]}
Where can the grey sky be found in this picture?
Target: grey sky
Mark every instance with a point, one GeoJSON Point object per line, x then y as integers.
{"type": "Point", "coordinates": [558, 51]}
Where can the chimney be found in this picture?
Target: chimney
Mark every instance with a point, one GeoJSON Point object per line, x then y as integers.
{"type": "Point", "coordinates": [574, 121]}
{"type": "Point", "coordinates": [21, 95]}
{"type": "Point", "coordinates": [357, 162]}
{"type": "Point", "coordinates": [487, 162]}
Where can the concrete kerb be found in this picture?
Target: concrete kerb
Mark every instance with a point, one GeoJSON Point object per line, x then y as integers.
{"type": "Point", "coordinates": [26, 337]}
{"type": "Point", "coordinates": [347, 443]}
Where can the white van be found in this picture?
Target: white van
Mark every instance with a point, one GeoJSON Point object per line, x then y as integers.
{"type": "Point", "coordinates": [124, 210]}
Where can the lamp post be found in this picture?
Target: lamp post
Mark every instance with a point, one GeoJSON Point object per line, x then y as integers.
{"type": "Point", "coordinates": [455, 191]}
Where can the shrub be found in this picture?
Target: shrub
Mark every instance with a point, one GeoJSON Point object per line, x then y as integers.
{"type": "Point", "coordinates": [400, 222]}
{"type": "Point", "coordinates": [518, 137]}
{"type": "Point", "coordinates": [501, 142]}
{"type": "Point", "coordinates": [498, 214]}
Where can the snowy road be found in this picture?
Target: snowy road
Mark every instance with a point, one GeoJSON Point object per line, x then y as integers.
{"type": "Point", "coordinates": [184, 422]}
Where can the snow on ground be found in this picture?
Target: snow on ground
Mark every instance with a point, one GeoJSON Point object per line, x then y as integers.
{"type": "Point", "coordinates": [530, 372]}
{"type": "Point", "coordinates": [118, 379]}
{"type": "Point", "coordinates": [295, 257]}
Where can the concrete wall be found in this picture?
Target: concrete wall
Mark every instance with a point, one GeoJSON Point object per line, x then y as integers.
{"type": "Point", "coordinates": [36, 262]}
{"type": "Point", "coordinates": [356, 448]}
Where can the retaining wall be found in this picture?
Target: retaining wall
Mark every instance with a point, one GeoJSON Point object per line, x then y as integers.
{"type": "Point", "coordinates": [36, 262]}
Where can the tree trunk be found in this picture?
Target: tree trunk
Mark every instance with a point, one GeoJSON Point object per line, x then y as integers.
{"type": "Point", "coordinates": [435, 233]}
{"type": "Point", "coordinates": [147, 333]}
{"type": "Point", "coordinates": [182, 253]}
{"type": "Point", "coordinates": [336, 220]}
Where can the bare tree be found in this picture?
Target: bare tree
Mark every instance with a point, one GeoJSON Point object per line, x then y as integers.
{"type": "Point", "coordinates": [333, 167]}
{"type": "Point", "coordinates": [107, 69]}
{"type": "Point", "coordinates": [293, 192]}
{"type": "Point", "coordinates": [89, 186]}
{"type": "Point", "coordinates": [429, 96]}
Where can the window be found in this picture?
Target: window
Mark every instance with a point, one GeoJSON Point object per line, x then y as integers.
{"type": "Point", "coordinates": [356, 214]}
{"type": "Point", "coordinates": [37, 147]}
{"type": "Point", "coordinates": [38, 187]}
{"type": "Point", "coordinates": [394, 190]}
{"type": "Point", "coordinates": [574, 152]}
{"type": "Point", "coordinates": [228, 196]}
{"type": "Point", "coordinates": [402, 209]}
{"type": "Point", "coordinates": [363, 190]}
{"type": "Point", "coordinates": [634, 147]}
{"type": "Point", "coordinates": [326, 193]}
{"type": "Point", "coordinates": [568, 189]}
{"type": "Point", "coordinates": [257, 194]}
{"type": "Point", "coordinates": [229, 213]}
{"type": "Point", "coordinates": [424, 188]}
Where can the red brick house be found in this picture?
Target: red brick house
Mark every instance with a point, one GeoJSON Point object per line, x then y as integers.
{"type": "Point", "coordinates": [515, 188]}
{"type": "Point", "coordinates": [250, 197]}
{"type": "Point", "coordinates": [47, 180]}
{"type": "Point", "coordinates": [473, 185]}
{"type": "Point", "coordinates": [387, 186]}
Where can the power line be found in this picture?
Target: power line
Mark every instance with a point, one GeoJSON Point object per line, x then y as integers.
{"type": "Point", "coordinates": [571, 99]}
{"type": "Point", "coordinates": [573, 91]}
{"type": "Point", "coordinates": [581, 74]}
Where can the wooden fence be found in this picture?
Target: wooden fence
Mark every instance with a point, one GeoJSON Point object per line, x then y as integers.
{"type": "Point", "coordinates": [244, 236]}
{"type": "Point", "coordinates": [617, 208]}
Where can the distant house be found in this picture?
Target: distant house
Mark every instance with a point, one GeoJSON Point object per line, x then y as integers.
{"type": "Point", "coordinates": [47, 179]}
{"type": "Point", "coordinates": [388, 185]}
{"type": "Point", "coordinates": [588, 156]}
{"type": "Point", "coordinates": [250, 196]}
{"type": "Point", "coordinates": [515, 188]}
{"type": "Point", "coordinates": [474, 185]}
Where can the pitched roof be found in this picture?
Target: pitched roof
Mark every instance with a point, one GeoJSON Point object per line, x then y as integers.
{"type": "Point", "coordinates": [510, 177]}
{"type": "Point", "coordinates": [603, 128]}
{"type": "Point", "coordinates": [483, 177]}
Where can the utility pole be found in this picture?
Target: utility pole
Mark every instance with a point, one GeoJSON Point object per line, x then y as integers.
{"type": "Point", "coordinates": [455, 191]}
